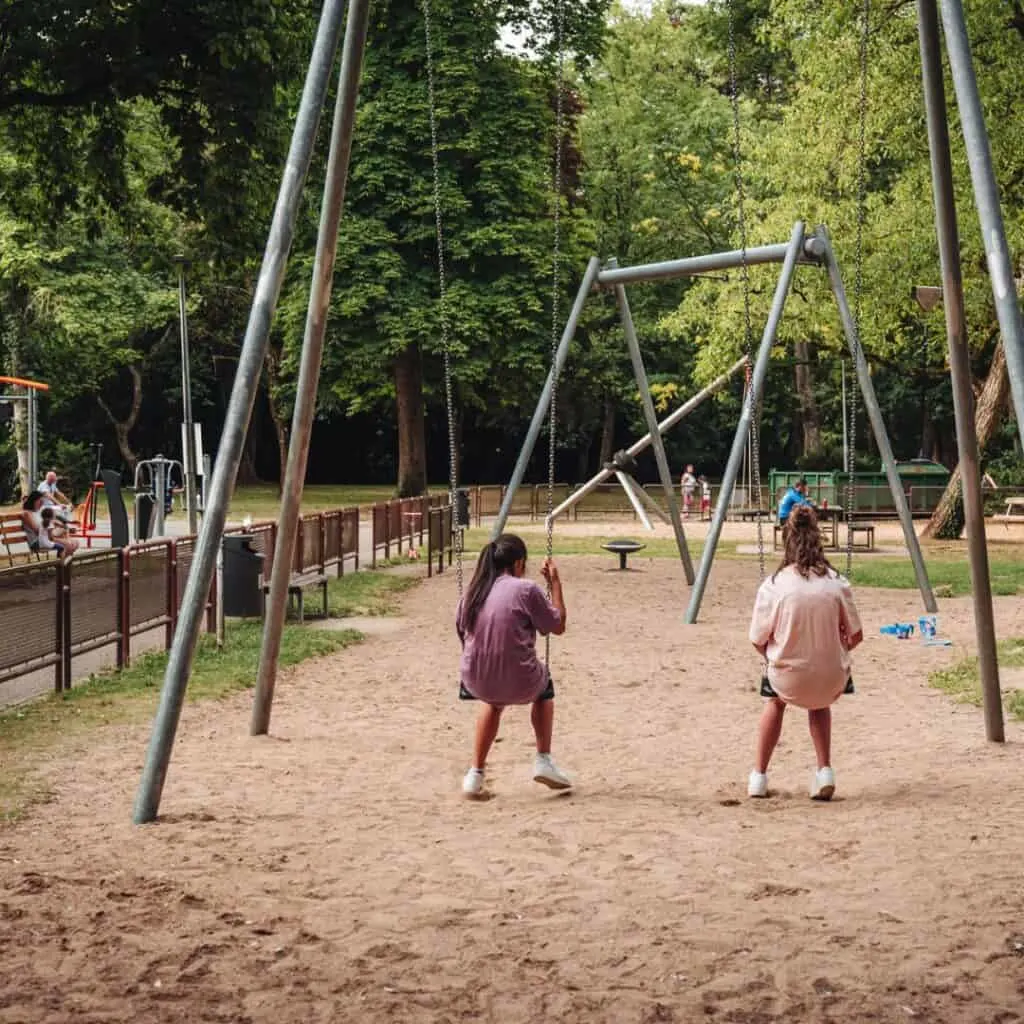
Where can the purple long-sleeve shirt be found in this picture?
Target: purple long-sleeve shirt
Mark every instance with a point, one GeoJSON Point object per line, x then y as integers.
{"type": "Point", "coordinates": [499, 656]}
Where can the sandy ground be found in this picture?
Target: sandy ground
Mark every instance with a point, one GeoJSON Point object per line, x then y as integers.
{"type": "Point", "coordinates": [332, 872]}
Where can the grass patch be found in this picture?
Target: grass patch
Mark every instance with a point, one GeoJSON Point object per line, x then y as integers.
{"type": "Point", "coordinates": [29, 732]}
{"type": "Point", "coordinates": [952, 578]}
{"type": "Point", "coordinates": [568, 544]}
{"type": "Point", "coordinates": [962, 682]}
{"type": "Point", "coordinates": [368, 593]}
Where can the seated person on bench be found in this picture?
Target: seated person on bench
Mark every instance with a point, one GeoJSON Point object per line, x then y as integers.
{"type": "Point", "coordinates": [37, 522]}
{"type": "Point", "coordinates": [796, 495]}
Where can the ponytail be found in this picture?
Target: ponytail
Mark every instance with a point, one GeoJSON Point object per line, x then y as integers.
{"type": "Point", "coordinates": [497, 558]}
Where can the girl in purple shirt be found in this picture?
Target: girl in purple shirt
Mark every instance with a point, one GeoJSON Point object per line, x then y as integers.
{"type": "Point", "coordinates": [498, 621]}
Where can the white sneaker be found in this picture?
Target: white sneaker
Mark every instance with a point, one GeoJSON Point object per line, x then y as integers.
{"type": "Point", "coordinates": [757, 784]}
{"type": "Point", "coordinates": [473, 782]}
{"type": "Point", "coordinates": [824, 784]}
{"type": "Point", "coordinates": [547, 773]}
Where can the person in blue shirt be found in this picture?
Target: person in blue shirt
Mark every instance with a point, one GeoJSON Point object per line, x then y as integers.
{"type": "Point", "coordinates": [796, 495]}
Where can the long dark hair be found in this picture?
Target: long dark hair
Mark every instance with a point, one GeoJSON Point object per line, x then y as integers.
{"type": "Point", "coordinates": [496, 559]}
{"type": "Point", "coordinates": [803, 547]}
{"type": "Point", "coordinates": [32, 498]}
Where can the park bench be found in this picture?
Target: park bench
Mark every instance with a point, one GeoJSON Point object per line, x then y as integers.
{"type": "Point", "coordinates": [1014, 514]}
{"type": "Point", "coordinates": [15, 543]}
{"type": "Point", "coordinates": [298, 584]}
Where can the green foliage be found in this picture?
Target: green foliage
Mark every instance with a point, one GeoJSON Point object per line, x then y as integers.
{"type": "Point", "coordinates": [953, 577]}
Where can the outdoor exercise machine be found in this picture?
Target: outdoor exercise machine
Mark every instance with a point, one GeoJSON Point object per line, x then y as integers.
{"type": "Point", "coordinates": [154, 481]}
{"type": "Point", "coordinates": [815, 249]}
{"type": "Point", "coordinates": [30, 396]}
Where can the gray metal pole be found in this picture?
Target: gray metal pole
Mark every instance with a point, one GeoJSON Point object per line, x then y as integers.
{"type": "Point", "coordinates": [243, 395]}
{"type": "Point", "coordinates": [846, 426]}
{"type": "Point", "coordinates": [311, 359]}
{"type": "Point", "coordinates": [867, 391]}
{"type": "Point", "coordinates": [189, 453]}
{"type": "Point", "coordinates": [651, 416]}
{"type": "Point", "coordinates": [638, 507]}
{"type": "Point", "coordinates": [751, 405]}
{"type": "Point", "coordinates": [33, 440]}
{"type": "Point", "coordinates": [160, 489]}
{"type": "Point", "coordinates": [663, 427]}
{"type": "Point", "coordinates": [693, 265]}
{"type": "Point", "coordinates": [960, 366]}
{"type": "Point", "coordinates": [986, 198]}
{"type": "Point", "coordinates": [544, 402]}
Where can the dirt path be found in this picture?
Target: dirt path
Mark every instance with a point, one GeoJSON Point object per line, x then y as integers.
{"type": "Point", "coordinates": [332, 873]}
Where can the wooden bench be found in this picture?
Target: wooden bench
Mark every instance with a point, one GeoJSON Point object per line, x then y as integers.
{"type": "Point", "coordinates": [869, 536]}
{"type": "Point", "coordinates": [299, 583]}
{"type": "Point", "coordinates": [1013, 516]}
{"type": "Point", "coordinates": [15, 543]}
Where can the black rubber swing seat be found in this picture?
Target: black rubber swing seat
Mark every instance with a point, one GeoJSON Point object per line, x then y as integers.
{"type": "Point", "coordinates": [623, 548]}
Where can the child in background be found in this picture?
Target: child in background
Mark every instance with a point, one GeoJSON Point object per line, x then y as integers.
{"type": "Point", "coordinates": [687, 484]}
{"type": "Point", "coordinates": [705, 496]}
{"type": "Point", "coordinates": [497, 621]}
{"type": "Point", "coordinates": [805, 624]}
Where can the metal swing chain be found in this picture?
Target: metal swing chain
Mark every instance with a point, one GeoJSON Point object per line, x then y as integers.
{"type": "Point", "coordinates": [555, 286]}
{"type": "Point", "coordinates": [755, 433]}
{"type": "Point", "coordinates": [453, 457]}
{"type": "Point", "coordinates": [858, 281]}
{"type": "Point", "coordinates": [556, 268]}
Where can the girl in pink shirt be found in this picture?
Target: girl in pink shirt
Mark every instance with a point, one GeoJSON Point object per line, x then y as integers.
{"type": "Point", "coordinates": [805, 624]}
{"type": "Point", "coordinates": [498, 621]}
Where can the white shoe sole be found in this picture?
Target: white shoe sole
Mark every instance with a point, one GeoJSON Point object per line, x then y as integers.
{"type": "Point", "coordinates": [546, 780]}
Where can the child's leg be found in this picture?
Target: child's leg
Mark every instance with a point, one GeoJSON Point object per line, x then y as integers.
{"type": "Point", "coordinates": [820, 724]}
{"type": "Point", "coordinates": [487, 723]}
{"type": "Point", "coordinates": [769, 731]}
{"type": "Point", "coordinates": [542, 717]}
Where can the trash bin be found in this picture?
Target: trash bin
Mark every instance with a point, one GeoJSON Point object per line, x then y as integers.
{"type": "Point", "coordinates": [242, 591]}
{"type": "Point", "coordinates": [144, 509]}
{"type": "Point", "coordinates": [462, 508]}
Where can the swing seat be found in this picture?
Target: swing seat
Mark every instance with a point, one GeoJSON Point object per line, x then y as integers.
{"type": "Point", "coordinates": [623, 548]}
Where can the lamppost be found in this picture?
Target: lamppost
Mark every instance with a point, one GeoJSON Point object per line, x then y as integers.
{"type": "Point", "coordinates": [189, 454]}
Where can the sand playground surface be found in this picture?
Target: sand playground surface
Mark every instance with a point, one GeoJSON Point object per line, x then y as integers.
{"type": "Point", "coordinates": [333, 873]}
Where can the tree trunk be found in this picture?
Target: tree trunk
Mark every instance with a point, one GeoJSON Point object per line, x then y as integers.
{"type": "Point", "coordinates": [607, 433]}
{"type": "Point", "coordinates": [947, 521]}
{"type": "Point", "coordinates": [122, 428]}
{"type": "Point", "coordinates": [278, 415]}
{"type": "Point", "coordinates": [412, 434]}
{"type": "Point", "coordinates": [810, 415]}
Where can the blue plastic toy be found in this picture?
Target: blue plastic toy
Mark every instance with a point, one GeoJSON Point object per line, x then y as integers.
{"type": "Point", "coordinates": [900, 630]}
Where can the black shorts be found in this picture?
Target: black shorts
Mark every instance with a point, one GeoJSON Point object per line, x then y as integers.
{"type": "Point", "coordinates": [768, 691]}
{"type": "Point", "coordinates": [548, 692]}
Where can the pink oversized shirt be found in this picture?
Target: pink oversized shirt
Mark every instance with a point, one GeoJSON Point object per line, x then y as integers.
{"type": "Point", "coordinates": [806, 624]}
{"type": "Point", "coordinates": [499, 657]}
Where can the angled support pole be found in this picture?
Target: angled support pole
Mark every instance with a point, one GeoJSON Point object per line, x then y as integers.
{"type": "Point", "coordinates": [634, 500]}
{"type": "Point", "coordinates": [544, 402]}
{"type": "Point", "coordinates": [751, 405]}
{"type": "Point", "coordinates": [652, 426]}
{"type": "Point", "coordinates": [663, 428]}
{"type": "Point", "coordinates": [948, 234]}
{"type": "Point", "coordinates": [986, 199]}
{"type": "Point", "coordinates": [310, 361]}
{"type": "Point", "coordinates": [867, 390]}
{"type": "Point", "coordinates": [236, 423]}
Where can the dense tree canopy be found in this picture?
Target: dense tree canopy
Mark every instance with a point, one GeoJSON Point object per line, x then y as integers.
{"type": "Point", "coordinates": [135, 131]}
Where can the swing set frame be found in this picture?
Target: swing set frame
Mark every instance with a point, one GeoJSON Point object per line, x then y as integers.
{"type": "Point", "coordinates": [271, 276]}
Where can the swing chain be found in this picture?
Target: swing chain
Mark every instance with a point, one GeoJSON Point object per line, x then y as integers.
{"type": "Point", "coordinates": [556, 268]}
{"type": "Point", "coordinates": [557, 184]}
{"type": "Point", "coordinates": [755, 433]}
{"type": "Point", "coordinates": [453, 455]}
{"type": "Point", "coordinates": [858, 281]}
